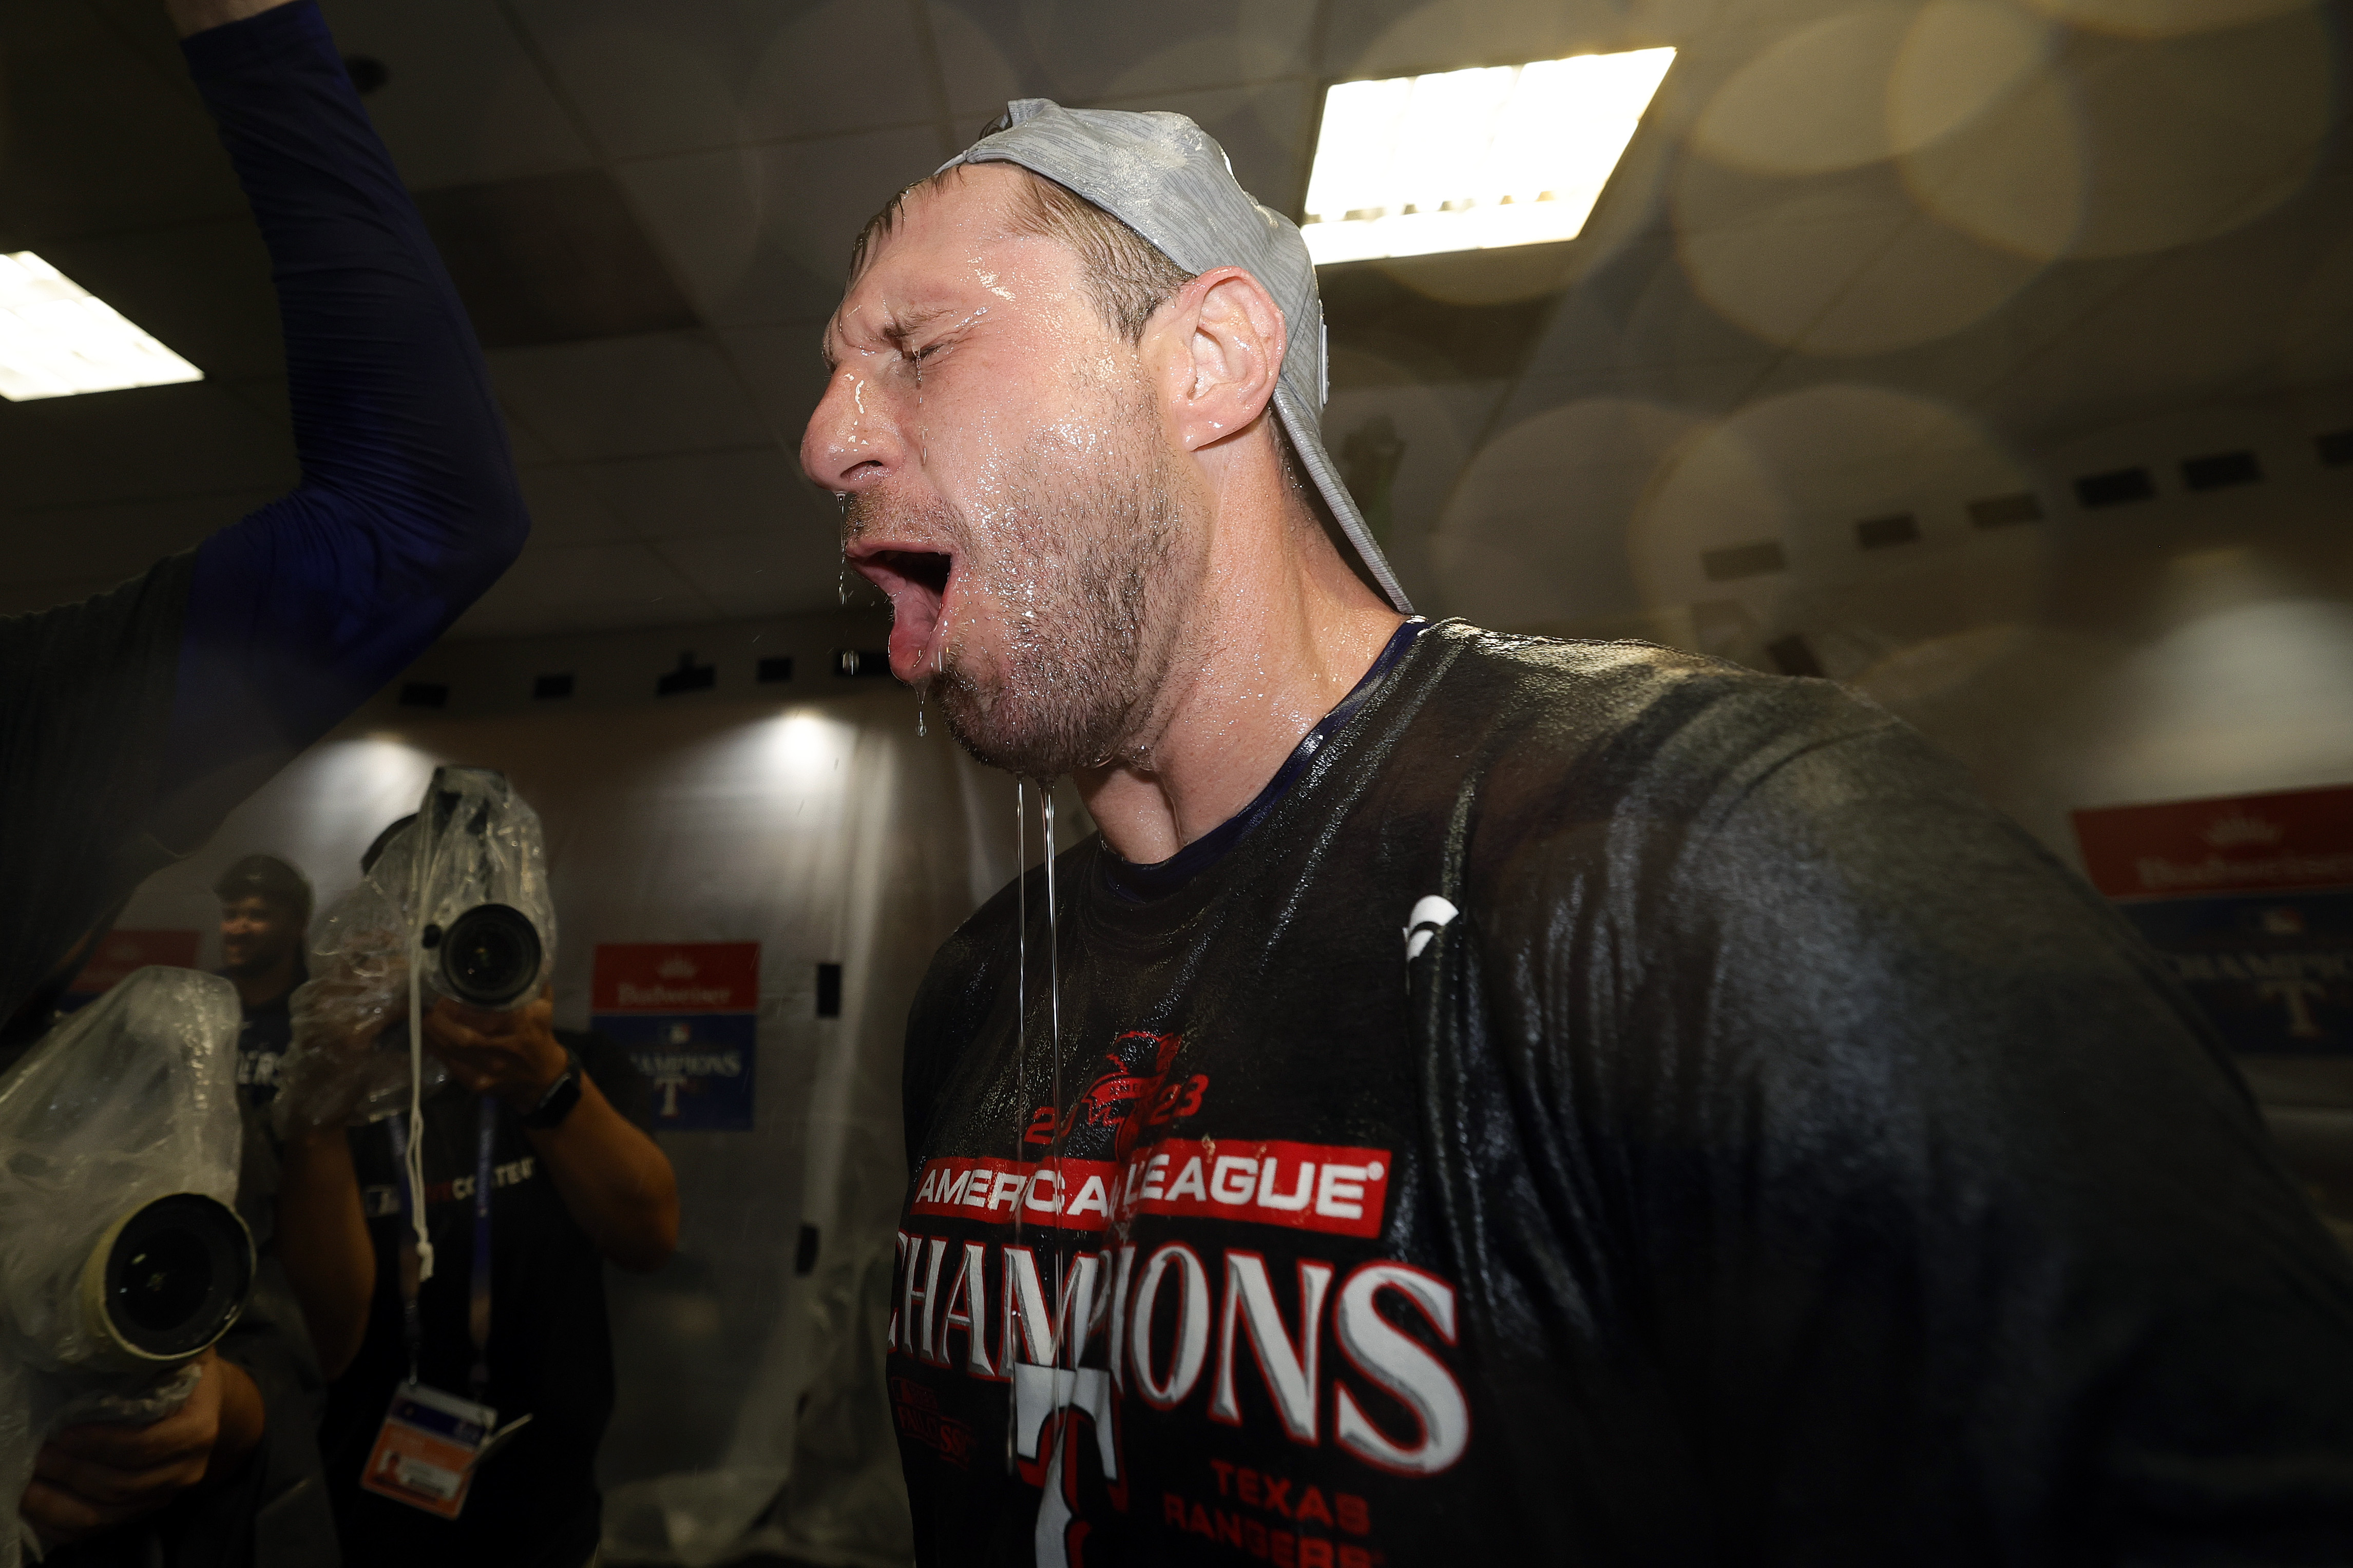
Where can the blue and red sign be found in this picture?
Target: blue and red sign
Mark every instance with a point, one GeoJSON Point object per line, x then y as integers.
{"type": "Point", "coordinates": [2250, 896]}
{"type": "Point", "coordinates": [686, 1012]}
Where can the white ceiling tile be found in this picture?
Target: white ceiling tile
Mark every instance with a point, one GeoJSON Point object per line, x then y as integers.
{"type": "Point", "coordinates": [2196, 322]}
{"type": "Point", "coordinates": [1403, 37]}
{"type": "Point", "coordinates": [695, 493]}
{"type": "Point", "coordinates": [102, 136]}
{"type": "Point", "coordinates": [555, 587]}
{"type": "Point", "coordinates": [775, 572]}
{"type": "Point", "coordinates": [762, 234]}
{"type": "Point", "coordinates": [698, 74]}
{"type": "Point", "coordinates": [113, 541]}
{"type": "Point", "coordinates": [618, 397]}
{"type": "Point", "coordinates": [194, 438]}
{"type": "Point", "coordinates": [566, 508]}
{"type": "Point", "coordinates": [782, 368]}
{"type": "Point", "coordinates": [1775, 283]}
{"type": "Point", "coordinates": [463, 103]}
{"type": "Point", "coordinates": [201, 288]}
{"type": "Point", "coordinates": [1084, 51]}
{"type": "Point", "coordinates": [1928, 283]}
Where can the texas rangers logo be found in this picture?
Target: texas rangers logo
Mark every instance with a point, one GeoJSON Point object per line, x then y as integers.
{"type": "Point", "coordinates": [1130, 1090]}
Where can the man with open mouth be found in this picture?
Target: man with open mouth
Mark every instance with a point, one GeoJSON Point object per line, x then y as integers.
{"type": "Point", "coordinates": [1479, 1097]}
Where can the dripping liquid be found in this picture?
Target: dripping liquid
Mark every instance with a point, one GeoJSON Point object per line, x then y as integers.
{"type": "Point", "coordinates": [1059, 1124]}
{"type": "Point", "coordinates": [1020, 1051]}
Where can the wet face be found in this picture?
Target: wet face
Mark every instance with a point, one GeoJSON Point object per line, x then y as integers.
{"type": "Point", "coordinates": [257, 935]}
{"type": "Point", "coordinates": [1007, 478]}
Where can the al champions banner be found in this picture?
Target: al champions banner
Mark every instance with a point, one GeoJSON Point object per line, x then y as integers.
{"type": "Point", "coordinates": [2250, 896]}
{"type": "Point", "coordinates": [686, 1013]}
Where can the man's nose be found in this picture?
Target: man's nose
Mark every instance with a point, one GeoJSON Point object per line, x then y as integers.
{"type": "Point", "coordinates": [851, 443]}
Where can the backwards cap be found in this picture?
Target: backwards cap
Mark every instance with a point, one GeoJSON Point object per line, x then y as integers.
{"type": "Point", "coordinates": [1164, 177]}
{"type": "Point", "coordinates": [266, 877]}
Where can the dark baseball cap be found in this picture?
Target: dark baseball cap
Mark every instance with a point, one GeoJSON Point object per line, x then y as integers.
{"type": "Point", "coordinates": [266, 877]}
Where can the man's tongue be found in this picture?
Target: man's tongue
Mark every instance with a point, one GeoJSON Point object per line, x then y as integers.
{"type": "Point", "coordinates": [914, 617]}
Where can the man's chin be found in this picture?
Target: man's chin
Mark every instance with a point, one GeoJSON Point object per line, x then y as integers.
{"type": "Point", "coordinates": [1000, 734]}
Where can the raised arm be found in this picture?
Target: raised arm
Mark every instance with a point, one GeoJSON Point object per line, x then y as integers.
{"type": "Point", "coordinates": [407, 509]}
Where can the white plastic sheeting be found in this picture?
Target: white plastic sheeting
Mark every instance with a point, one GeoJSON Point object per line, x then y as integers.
{"type": "Point", "coordinates": [751, 1413]}
{"type": "Point", "coordinates": [131, 1099]}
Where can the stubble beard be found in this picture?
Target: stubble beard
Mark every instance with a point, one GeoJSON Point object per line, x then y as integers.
{"type": "Point", "coordinates": [1081, 571]}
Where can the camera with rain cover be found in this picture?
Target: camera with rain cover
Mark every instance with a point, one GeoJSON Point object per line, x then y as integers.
{"type": "Point", "coordinates": [484, 924]}
{"type": "Point", "coordinates": [120, 1257]}
{"type": "Point", "coordinates": [455, 904]}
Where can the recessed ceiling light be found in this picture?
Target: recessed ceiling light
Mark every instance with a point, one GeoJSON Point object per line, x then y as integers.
{"type": "Point", "coordinates": [1472, 160]}
{"type": "Point", "coordinates": [57, 337]}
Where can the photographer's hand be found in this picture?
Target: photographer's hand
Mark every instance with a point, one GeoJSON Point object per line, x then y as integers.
{"type": "Point", "coordinates": [91, 1479]}
{"type": "Point", "coordinates": [513, 1056]}
{"type": "Point", "coordinates": [615, 1181]}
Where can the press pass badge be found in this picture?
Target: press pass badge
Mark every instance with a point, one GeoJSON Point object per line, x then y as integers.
{"type": "Point", "coordinates": [429, 1447]}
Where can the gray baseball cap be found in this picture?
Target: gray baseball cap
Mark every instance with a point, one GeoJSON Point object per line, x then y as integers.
{"type": "Point", "coordinates": [1165, 178]}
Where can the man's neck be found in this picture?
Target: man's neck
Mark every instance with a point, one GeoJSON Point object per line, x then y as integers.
{"type": "Point", "coordinates": [263, 986]}
{"type": "Point", "coordinates": [1278, 638]}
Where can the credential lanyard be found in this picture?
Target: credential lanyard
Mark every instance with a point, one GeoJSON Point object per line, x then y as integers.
{"type": "Point", "coordinates": [478, 1306]}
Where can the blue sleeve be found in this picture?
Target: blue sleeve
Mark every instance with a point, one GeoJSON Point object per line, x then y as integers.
{"type": "Point", "coordinates": [409, 509]}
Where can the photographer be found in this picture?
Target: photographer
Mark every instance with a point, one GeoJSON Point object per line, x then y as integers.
{"type": "Point", "coordinates": [132, 721]}
{"type": "Point", "coordinates": [574, 1181]}
{"type": "Point", "coordinates": [265, 908]}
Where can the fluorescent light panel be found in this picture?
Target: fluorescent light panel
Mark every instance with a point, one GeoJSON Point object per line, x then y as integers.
{"type": "Point", "coordinates": [57, 339]}
{"type": "Point", "coordinates": [1472, 160]}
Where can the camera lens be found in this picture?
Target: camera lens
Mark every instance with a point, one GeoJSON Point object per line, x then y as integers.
{"type": "Point", "coordinates": [177, 1276]}
{"type": "Point", "coordinates": [489, 956]}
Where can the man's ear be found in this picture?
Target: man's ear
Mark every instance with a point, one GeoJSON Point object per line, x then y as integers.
{"type": "Point", "coordinates": [1226, 355]}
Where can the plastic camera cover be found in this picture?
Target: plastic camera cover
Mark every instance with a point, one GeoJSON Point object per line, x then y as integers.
{"type": "Point", "coordinates": [474, 842]}
{"type": "Point", "coordinates": [131, 1099]}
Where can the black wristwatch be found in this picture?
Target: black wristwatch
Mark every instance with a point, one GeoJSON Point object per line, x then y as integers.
{"type": "Point", "coordinates": [561, 1096]}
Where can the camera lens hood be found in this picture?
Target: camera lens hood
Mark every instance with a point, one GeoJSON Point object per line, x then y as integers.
{"type": "Point", "coordinates": [489, 957]}
{"type": "Point", "coordinates": [167, 1279]}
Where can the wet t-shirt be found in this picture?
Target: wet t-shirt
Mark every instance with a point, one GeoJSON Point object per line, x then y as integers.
{"type": "Point", "coordinates": [1608, 1106]}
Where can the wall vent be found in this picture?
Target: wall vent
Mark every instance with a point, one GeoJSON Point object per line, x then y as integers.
{"type": "Point", "coordinates": [1743, 560]}
{"type": "Point", "coordinates": [2119, 487]}
{"type": "Point", "coordinates": [424, 694]}
{"type": "Point", "coordinates": [777, 666]}
{"type": "Point", "coordinates": [548, 685]}
{"type": "Point", "coordinates": [688, 676]}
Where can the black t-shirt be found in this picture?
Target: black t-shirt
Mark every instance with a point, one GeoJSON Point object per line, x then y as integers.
{"type": "Point", "coordinates": [1612, 1107]}
{"type": "Point", "coordinates": [262, 1038]}
{"type": "Point", "coordinates": [264, 1034]}
{"type": "Point", "coordinates": [535, 1502]}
